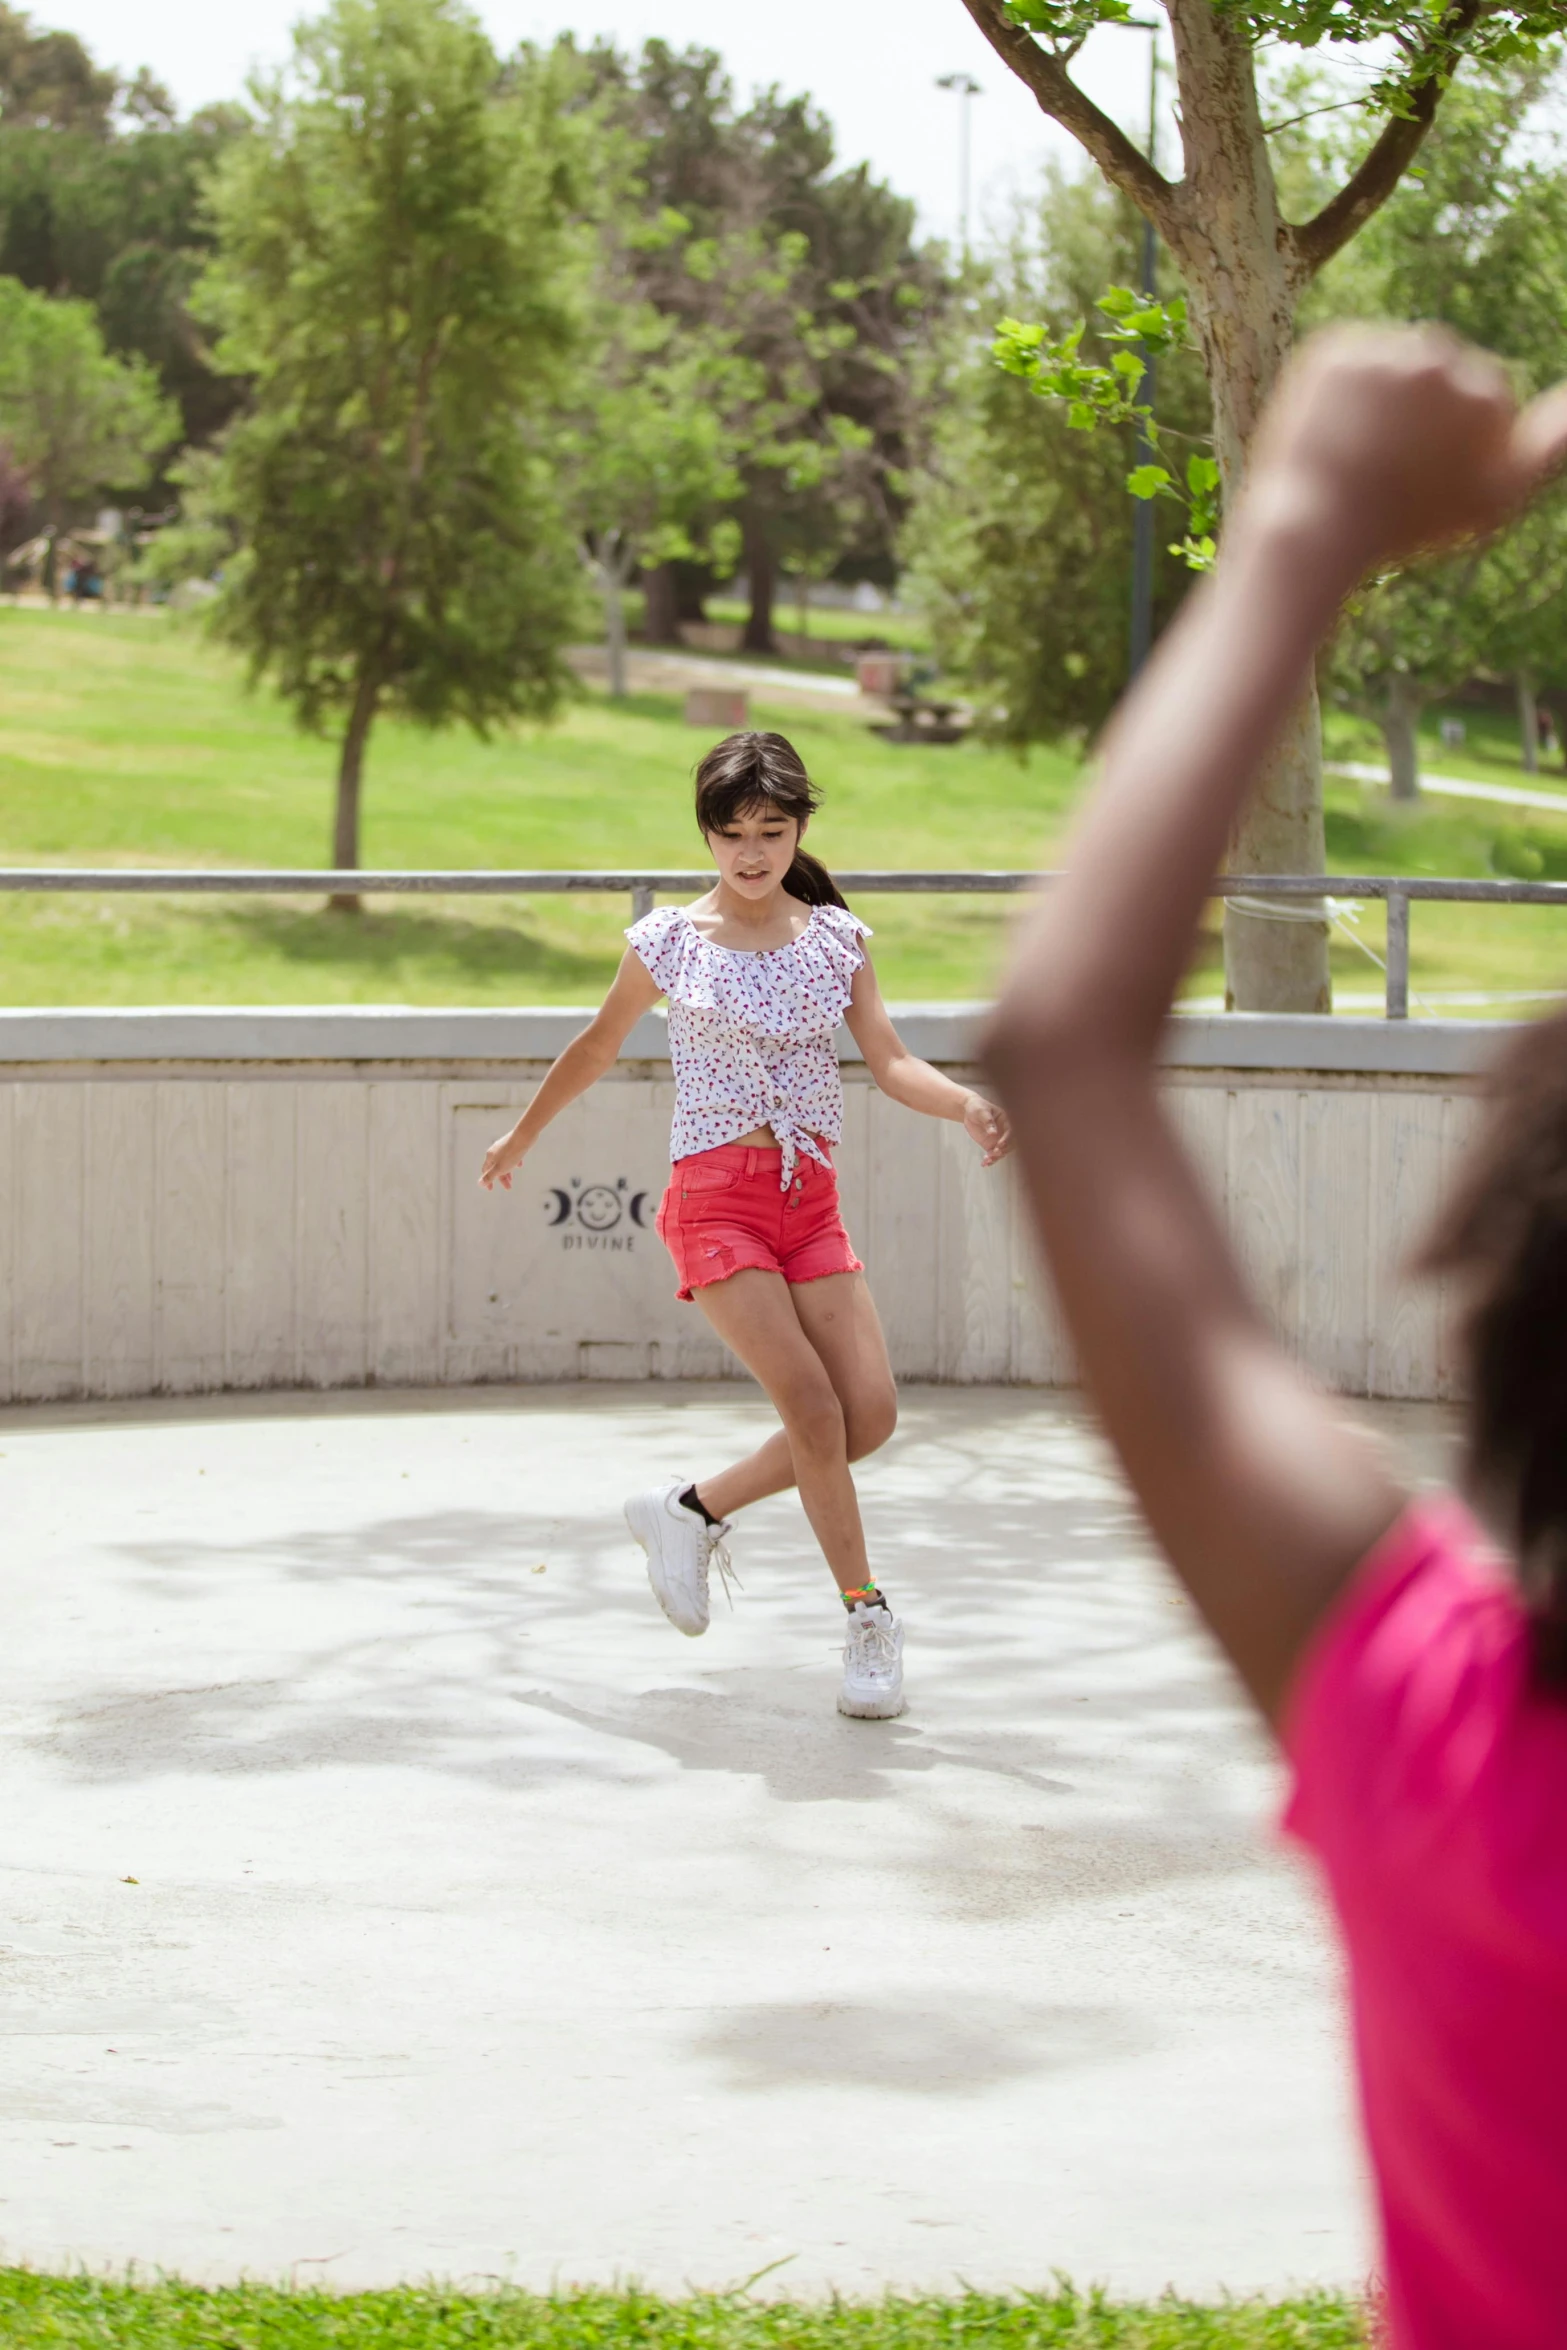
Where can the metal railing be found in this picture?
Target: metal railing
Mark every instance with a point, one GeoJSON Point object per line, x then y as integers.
{"type": "Point", "coordinates": [1266, 896]}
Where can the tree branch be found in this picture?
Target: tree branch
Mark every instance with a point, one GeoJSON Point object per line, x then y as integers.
{"type": "Point", "coordinates": [1124, 166]}
{"type": "Point", "coordinates": [1379, 171]}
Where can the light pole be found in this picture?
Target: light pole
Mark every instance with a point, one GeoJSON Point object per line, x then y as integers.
{"type": "Point", "coordinates": [967, 88]}
{"type": "Point", "coordinates": [1141, 644]}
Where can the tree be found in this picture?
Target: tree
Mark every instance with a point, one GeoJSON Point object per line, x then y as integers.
{"type": "Point", "coordinates": [1527, 640]}
{"type": "Point", "coordinates": [1020, 534]}
{"type": "Point", "coordinates": [1019, 543]}
{"type": "Point", "coordinates": [76, 420]}
{"type": "Point", "coordinates": [395, 274]}
{"type": "Point", "coordinates": [201, 537]}
{"type": "Point", "coordinates": [1245, 267]}
{"type": "Point", "coordinates": [101, 199]}
{"type": "Point", "coordinates": [1477, 239]}
{"type": "Point", "coordinates": [1425, 631]}
{"type": "Point", "coordinates": [874, 299]}
{"type": "Point", "coordinates": [1405, 640]}
{"type": "Point", "coordinates": [805, 467]}
{"type": "Point", "coordinates": [16, 502]}
{"type": "Point", "coordinates": [50, 78]}
{"type": "Point", "coordinates": [648, 457]}
{"type": "Point", "coordinates": [649, 440]}
{"type": "Point", "coordinates": [815, 279]}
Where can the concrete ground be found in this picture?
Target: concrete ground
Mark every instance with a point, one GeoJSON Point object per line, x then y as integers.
{"type": "Point", "coordinates": [388, 1891]}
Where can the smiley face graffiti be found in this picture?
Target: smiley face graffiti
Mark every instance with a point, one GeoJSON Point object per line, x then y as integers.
{"type": "Point", "coordinates": [598, 1207]}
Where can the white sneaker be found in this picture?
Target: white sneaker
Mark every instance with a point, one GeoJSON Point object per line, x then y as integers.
{"type": "Point", "coordinates": [679, 1544]}
{"type": "Point", "coordinates": [872, 1665]}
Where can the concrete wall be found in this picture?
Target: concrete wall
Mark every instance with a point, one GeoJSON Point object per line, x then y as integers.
{"type": "Point", "coordinates": [200, 1200]}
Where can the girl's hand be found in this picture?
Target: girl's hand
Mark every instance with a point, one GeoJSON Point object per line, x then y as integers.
{"type": "Point", "coordinates": [989, 1127]}
{"type": "Point", "coordinates": [500, 1162]}
{"type": "Point", "coordinates": [1387, 440]}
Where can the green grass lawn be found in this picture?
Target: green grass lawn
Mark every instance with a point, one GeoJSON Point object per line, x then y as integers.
{"type": "Point", "coordinates": [128, 740]}
{"type": "Point", "coordinates": [56, 2313]}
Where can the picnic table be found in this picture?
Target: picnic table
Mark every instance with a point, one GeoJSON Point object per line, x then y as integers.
{"type": "Point", "coordinates": [921, 719]}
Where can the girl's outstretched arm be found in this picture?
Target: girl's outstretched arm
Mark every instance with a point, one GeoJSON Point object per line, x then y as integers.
{"type": "Point", "coordinates": [905, 1078]}
{"type": "Point", "coordinates": [1263, 1499]}
{"type": "Point", "coordinates": [582, 1064]}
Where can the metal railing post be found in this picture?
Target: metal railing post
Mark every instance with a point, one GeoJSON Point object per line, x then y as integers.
{"type": "Point", "coordinates": [1397, 954]}
{"type": "Point", "coordinates": [641, 900]}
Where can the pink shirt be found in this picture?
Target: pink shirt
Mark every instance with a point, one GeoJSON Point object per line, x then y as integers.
{"type": "Point", "coordinates": [1431, 1783]}
{"type": "Point", "coordinates": [752, 1030]}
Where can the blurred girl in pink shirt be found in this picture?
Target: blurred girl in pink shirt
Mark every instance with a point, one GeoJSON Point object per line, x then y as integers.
{"type": "Point", "coordinates": [1416, 1676]}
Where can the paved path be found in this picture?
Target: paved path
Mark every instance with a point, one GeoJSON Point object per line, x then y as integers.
{"type": "Point", "coordinates": [1457, 787]}
{"type": "Point", "coordinates": [660, 672]}
{"type": "Point", "coordinates": [388, 1891]}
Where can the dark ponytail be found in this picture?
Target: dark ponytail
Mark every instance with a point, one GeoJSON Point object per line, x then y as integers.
{"type": "Point", "coordinates": [809, 880]}
{"type": "Point", "coordinates": [1504, 1236]}
{"type": "Point", "coordinates": [754, 770]}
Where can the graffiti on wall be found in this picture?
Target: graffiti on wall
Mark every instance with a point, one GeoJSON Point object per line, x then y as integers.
{"type": "Point", "coordinates": [599, 1215]}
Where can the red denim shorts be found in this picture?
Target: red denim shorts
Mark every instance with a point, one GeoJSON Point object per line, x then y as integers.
{"type": "Point", "coordinates": [724, 1213]}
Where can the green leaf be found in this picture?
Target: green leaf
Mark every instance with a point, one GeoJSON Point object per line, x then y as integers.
{"type": "Point", "coordinates": [1148, 481]}
{"type": "Point", "coordinates": [1066, 23]}
{"type": "Point", "coordinates": [1202, 474]}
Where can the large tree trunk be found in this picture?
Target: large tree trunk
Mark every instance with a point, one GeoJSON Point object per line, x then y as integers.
{"type": "Point", "coordinates": [1243, 306]}
{"type": "Point", "coordinates": [350, 773]}
{"type": "Point", "coordinates": [1277, 960]}
{"type": "Point", "coordinates": [762, 572]}
{"type": "Point", "coordinates": [661, 605]}
{"type": "Point", "coordinates": [693, 584]}
{"type": "Point", "coordinates": [1400, 714]}
{"type": "Point", "coordinates": [1528, 722]}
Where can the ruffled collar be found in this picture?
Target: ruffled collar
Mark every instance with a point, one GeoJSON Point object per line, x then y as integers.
{"type": "Point", "coordinates": [799, 989]}
{"type": "Point", "coordinates": [751, 954]}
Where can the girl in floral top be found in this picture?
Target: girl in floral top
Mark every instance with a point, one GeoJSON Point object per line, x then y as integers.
{"type": "Point", "coordinates": [758, 975]}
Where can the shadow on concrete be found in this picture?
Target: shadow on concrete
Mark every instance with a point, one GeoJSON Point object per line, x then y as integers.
{"type": "Point", "coordinates": [774, 1726]}
{"type": "Point", "coordinates": [1042, 1653]}
{"type": "Point", "coordinates": [920, 2051]}
{"type": "Point", "coordinates": [1109, 1733]}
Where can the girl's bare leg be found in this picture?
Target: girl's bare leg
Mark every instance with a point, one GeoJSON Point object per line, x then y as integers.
{"type": "Point", "coordinates": [838, 1316]}
{"type": "Point", "coordinates": [818, 1351]}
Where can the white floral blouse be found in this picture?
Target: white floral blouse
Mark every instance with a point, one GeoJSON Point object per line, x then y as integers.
{"type": "Point", "coordinates": [751, 1030]}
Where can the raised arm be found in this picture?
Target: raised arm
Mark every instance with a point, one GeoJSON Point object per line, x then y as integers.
{"type": "Point", "coordinates": [582, 1064]}
{"type": "Point", "coordinates": [1261, 1496]}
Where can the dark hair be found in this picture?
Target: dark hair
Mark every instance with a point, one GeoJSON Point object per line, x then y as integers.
{"type": "Point", "coordinates": [1504, 1234]}
{"type": "Point", "coordinates": [754, 770]}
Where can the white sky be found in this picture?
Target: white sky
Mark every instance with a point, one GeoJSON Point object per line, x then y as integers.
{"type": "Point", "coordinates": [872, 67]}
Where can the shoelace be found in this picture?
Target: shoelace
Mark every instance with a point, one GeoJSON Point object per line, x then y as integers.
{"type": "Point", "coordinates": [874, 1649]}
{"type": "Point", "coordinates": [718, 1556]}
